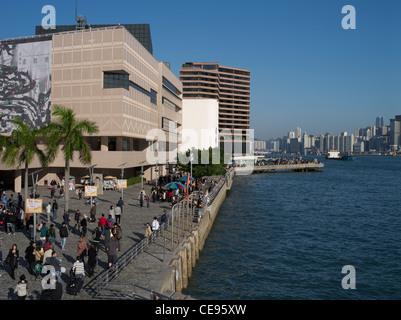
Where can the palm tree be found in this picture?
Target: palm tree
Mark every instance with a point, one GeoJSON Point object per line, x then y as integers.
{"type": "Point", "coordinates": [68, 132]}
{"type": "Point", "coordinates": [21, 148]}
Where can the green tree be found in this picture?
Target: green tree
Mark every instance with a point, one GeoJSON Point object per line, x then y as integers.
{"type": "Point", "coordinates": [21, 147]}
{"type": "Point", "coordinates": [200, 169]}
{"type": "Point", "coordinates": [68, 132]}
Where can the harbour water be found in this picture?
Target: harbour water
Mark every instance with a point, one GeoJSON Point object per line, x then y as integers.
{"type": "Point", "coordinates": [288, 235]}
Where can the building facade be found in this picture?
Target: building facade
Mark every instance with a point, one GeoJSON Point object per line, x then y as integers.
{"type": "Point", "coordinates": [229, 86]}
{"type": "Point", "coordinates": [106, 75]}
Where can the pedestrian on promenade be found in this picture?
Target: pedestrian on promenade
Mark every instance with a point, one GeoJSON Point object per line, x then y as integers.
{"type": "Point", "coordinates": [30, 257]}
{"type": "Point", "coordinates": [10, 219]}
{"type": "Point", "coordinates": [54, 209]}
{"type": "Point", "coordinates": [155, 224]}
{"type": "Point", "coordinates": [154, 195]}
{"type": "Point", "coordinates": [80, 193]}
{"type": "Point", "coordinates": [112, 249]}
{"type": "Point", "coordinates": [96, 234]}
{"type": "Point", "coordinates": [48, 211]}
{"type": "Point", "coordinates": [112, 213]}
{"type": "Point", "coordinates": [66, 218]}
{"type": "Point", "coordinates": [38, 252]}
{"type": "Point", "coordinates": [63, 235]}
{"type": "Point", "coordinates": [116, 232]}
{"type": "Point", "coordinates": [84, 225]}
{"type": "Point", "coordinates": [141, 199]}
{"type": "Point", "coordinates": [92, 254]}
{"type": "Point", "coordinates": [12, 260]}
{"type": "Point", "coordinates": [19, 200]}
{"type": "Point", "coordinates": [148, 200]}
{"type": "Point", "coordinates": [164, 216]}
{"type": "Point", "coordinates": [93, 213]}
{"type": "Point", "coordinates": [43, 232]}
{"type": "Point", "coordinates": [52, 234]}
{"type": "Point", "coordinates": [121, 204]}
{"type": "Point", "coordinates": [55, 262]}
{"type": "Point", "coordinates": [102, 224]}
{"type": "Point", "coordinates": [110, 222]}
{"type": "Point", "coordinates": [82, 249]}
{"type": "Point", "coordinates": [78, 268]}
{"type": "Point", "coordinates": [21, 289]}
{"type": "Point", "coordinates": [77, 219]}
{"type": "Point", "coordinates": [117, 211]}
{"type": "Point", "coordinates": [148, 231]}
{"type": "Point", "coordinates": [47, 245]}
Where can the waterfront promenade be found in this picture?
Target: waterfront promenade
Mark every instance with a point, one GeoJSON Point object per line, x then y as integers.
{"type": "Point", "coordinates": [133, 222]}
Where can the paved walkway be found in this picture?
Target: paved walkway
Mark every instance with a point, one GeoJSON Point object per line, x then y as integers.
{"type": "Point", "coordinates": [133, 222]}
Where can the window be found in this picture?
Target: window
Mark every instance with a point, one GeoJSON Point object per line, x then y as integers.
{"type": "Point", "coordinates": [120, 79]}
{"type": "Point", "coordinates": [115, 80]}
{"type": "Point", "coordinates": [112, 144]}
{"type": "Point", "coordinates": [167, 84]}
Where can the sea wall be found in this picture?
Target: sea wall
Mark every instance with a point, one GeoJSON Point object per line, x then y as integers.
{"type": "Point", "coordinates": [175, 275]}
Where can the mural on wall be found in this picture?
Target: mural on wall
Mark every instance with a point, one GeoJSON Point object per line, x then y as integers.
{"type": "Point", "coordinates": [25, 72]}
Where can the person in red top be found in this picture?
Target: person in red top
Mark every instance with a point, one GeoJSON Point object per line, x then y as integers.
{"type": "Point", "coordinates": [102, 224]}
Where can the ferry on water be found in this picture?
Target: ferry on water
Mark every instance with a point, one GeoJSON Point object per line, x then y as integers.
{"type": "Point", "coordinates": [335, 155]}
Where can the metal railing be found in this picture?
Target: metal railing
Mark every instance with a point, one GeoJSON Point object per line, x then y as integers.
{"type": "Point", "coordinates": [130, 291]}
{"type": "Point", "coordinates": [181, 221]}
{"type": "Point", "coordinates": [110, 274]}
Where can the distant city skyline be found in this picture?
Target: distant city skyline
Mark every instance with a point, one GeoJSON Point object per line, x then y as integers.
{"type": "Point", "coordinates": [349, 131]}
{"type": "Point", "coordinates": [307, 71]}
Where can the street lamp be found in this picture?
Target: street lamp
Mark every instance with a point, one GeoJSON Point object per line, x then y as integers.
{"type": "Point", "coordinates": [122, 177]}
{"type": "Point", "coordinates": [34, 183]}
{"type": "Point", "coordinates": [91, 178]}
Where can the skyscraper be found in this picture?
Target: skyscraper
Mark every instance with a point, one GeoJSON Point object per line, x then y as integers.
{"type": "Point", "coordinates": [379, 122]}
{"type": "Point", "coordinates": [229, 86]}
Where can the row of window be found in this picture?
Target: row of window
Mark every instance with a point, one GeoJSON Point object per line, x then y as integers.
{"type": "Point", "coordinates": [121, 80]}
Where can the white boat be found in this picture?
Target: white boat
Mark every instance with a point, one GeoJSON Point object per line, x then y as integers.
{"type": "Point", "coordinates": [335, 155]}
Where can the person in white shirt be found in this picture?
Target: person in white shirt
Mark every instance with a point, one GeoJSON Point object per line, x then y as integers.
{"type": "Point", "coordinates": [155, 224]}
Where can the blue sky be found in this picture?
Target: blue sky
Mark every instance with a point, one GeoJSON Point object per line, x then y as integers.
{"type": "Point", "coordinates": [306, 70]}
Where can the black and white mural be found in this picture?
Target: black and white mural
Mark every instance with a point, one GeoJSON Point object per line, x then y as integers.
{"type": "Point", "coordinates": [25, 72]}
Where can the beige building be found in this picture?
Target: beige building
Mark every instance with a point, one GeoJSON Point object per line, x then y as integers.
{"type": "Point", "coordinates": [107, 76]}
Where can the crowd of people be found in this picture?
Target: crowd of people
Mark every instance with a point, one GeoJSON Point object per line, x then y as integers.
{"type": "Point", "coordinates": [43, 249]}
{"type": "Point", "coordinates": [106, 236]}
{"type": "Point", "coordinates": [284, 160]}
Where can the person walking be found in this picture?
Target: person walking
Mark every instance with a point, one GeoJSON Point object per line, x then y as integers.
{"type": "Point", "coordinates": [48, 211]}
{"type": "Point", "coordinates": [54, 209]}
{"type": "Point", "coordinates": [66, 218]}
{"type": "Point", "coordinates": [43, 232]}
{"type": "Point", "coordinates": [148, 231]}
{"type": "Point", "coordinates": [21, 289]}
{"type": "Point", "coordinates": [82, 249]}
{"type": "Point", "coordinates": [30, 257]}
{"type": "Point", "coordinates": [92, 254]}
{"type": "Point", "coordinates": [155, 224]}
{"type": "Point", "coordinates": [63, 235]}
{"type": "Point", "coordinates": [78, 268]}
{"type": "Point", "coordinates": [112, 213]}
{"type": "Point", "coordinates": [102, 224]}
{"type": "Point", "coordinates": [84, 225]}
{"type": "Point", "coordinates": [117, 211]}
{"type": "Point", "coordinates": [52, 234]}
{"type": "Point", "coordinates": [96, 234]}
{"type": "Point", "coordinates": [12, 260]}
{"type": "Point", "coordinates": [148, 200]}
{"type": "Point", "coordinates": [121, 204]}
{"type": "Point", "coordinates": [77, 219]}
{"type": "Point", "coordinates": [112, 249]}
{"type": "Point", "coordinates": [93, 213]}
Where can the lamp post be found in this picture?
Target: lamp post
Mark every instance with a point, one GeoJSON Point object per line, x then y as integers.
{"type": "Point", "coordinates": [34, 184]}
{"type": "Point", "coordinates": [91, 179]}
{"type": "Point", "coordinates": [122, 177]}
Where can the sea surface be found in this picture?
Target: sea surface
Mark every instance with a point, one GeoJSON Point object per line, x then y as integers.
{"type": "Point", "coordinates": [289, 235]}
